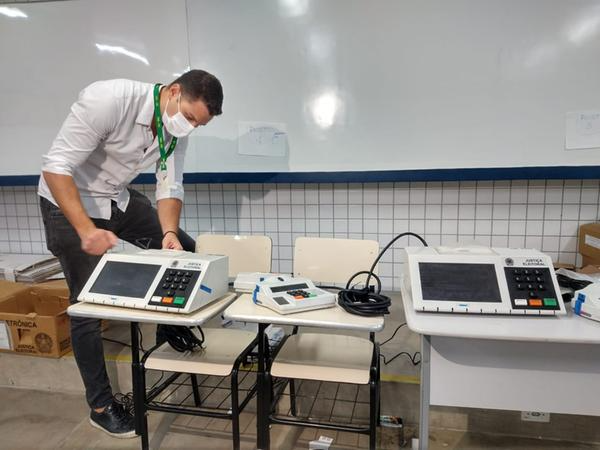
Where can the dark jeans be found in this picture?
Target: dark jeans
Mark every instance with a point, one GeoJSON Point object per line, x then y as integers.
{"type": "Point", "coordinates": [138, 225]}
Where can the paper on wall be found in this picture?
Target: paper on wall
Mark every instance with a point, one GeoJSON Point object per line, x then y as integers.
{"type": "Point", "coordinates": [262, 139]}
{"type": "Point", "coordinates": [583, 130]}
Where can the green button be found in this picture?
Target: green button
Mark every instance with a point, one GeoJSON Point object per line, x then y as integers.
{"type": "Point", "coordinates": [312, 295]}
{"type": "Point", "coordinates": [179, 300]}
{"type": "Point", "coordinates": [550, 302]}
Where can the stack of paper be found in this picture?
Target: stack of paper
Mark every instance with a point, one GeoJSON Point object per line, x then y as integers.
{"type": "Point", "coordinates": [28, 268]}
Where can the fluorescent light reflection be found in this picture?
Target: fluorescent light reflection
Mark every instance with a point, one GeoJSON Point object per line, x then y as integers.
{"type": "Point", "coordinates": [293, 8]}
{"type": "Point", "coordinates": [585, 29]}
{"type": "Point", "coordinates": [122, 51]}
{"type": "Point", "coordinates": [324, 109]}
{"type": "Point", "coordinates": [13, 13]}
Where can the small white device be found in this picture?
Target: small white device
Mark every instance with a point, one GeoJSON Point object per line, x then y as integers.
{"type": "Point", "coordinates": [159, 280]}
{"type": "Point", "coordinates": [586, 302]}
{"type": "Point", "coordinates": [287, 295]}
{"type": "Point", "coordinates": [246, 281]}
{"type": "Point", "coordinates": [482, 280]}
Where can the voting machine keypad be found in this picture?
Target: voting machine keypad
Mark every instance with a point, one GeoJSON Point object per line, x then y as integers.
{"type": "Point", "coordinates": [531, 288]}
{"type": "Point", "coordinates": [300, 294]}
{"type": "Point", "coordinates": [175, 288]}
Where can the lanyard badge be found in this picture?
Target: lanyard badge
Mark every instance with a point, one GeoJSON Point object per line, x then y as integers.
{"type": "Point", "coordinates": [159, 131]}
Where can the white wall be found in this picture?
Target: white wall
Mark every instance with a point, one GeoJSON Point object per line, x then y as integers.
{"type": "Point", "coordinates": [415, 84]}
{"type": "Point", "coordinates": [50, 55]}
{"type": "Point", "coordinates": [419, 84]}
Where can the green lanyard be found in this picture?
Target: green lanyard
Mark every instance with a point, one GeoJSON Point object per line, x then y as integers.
{"type": "Point", "coordinates": [159, 131]}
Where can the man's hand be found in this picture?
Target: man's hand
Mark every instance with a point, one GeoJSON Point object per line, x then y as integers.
{"type": "Point", "coordinates": [171, 242]}
{"type": "Point", "coordinates": [98, 241]}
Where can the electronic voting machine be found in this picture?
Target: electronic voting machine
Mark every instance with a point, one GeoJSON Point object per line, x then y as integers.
{"type": "Point", "coordinates": [481, 280]}
{"type": "Point", "coordinates": [286, 295]}
{"type": "Point", "coordinates": [158, 280]}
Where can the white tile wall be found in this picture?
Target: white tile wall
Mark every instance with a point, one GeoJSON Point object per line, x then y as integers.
{"type": "Point", "coordinates": [539, 214]}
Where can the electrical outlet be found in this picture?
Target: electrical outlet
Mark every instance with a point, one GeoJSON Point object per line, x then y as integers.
{"type": "Point", "coordinates": [535, 416]}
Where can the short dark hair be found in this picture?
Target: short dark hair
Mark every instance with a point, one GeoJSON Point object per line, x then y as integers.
{"type": "Point", "coordinates": [200, 85]}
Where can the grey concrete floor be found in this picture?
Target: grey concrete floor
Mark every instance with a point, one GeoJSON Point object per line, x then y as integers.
{"type": "Point", "coordinates": [43, 420]}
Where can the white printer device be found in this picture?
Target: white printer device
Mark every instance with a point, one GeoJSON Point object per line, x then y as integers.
{"type": "Point", "coordinates": [481, 280]}
{"type": "Point", "coordinates": [586, 302]}
{"type": "Point", "coordinates": [286, 295]}
{"type": "Point", "coordinates": [158, 280]}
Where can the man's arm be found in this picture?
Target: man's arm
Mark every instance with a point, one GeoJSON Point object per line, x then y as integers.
{"type": "Point", "coordinates": [169, 196]}
{"type": "Point", "coordinates": [169, 210]}
{"type": "Point", "coordinates": [94, 241]}
{"type": "Point", "coordinates": [91, 118]}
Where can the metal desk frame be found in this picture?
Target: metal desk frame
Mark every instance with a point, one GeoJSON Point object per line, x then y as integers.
{"type": "Point", "coordinates": [141, 399]}
{"type": "Point", "coordinates": [267, 398]}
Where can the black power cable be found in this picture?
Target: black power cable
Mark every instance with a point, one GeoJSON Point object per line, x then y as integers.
{"type": "Point", "coordinates": [571, 283]}
{"type": "Point", "coordinates": [125, 344]}
{"type": "Point", "coordinates": [368, 301]}
{"type": "Point", "coordinates": [393, 334]}
{"type": "Point", "coordinates": [126, 400]}
{"type": "Point", "coordinates": [183, 338]}
{"type": "Point", "coordinates": [114, 341]}
{"type": "Point", "coordinates": [415, 358]}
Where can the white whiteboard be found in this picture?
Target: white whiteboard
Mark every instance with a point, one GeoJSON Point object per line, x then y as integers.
{"type": "Point", "coordinates": [414, 83]}
{"type": "Point", "coordinates": [419, 83]}
{"type": "Point", "coordinates": [50, 55]}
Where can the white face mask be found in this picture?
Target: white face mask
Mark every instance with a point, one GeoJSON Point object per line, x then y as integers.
{"type": "Point", "coordinates": [177, 125]}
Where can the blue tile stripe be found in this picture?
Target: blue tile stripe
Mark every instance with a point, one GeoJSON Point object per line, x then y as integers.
{"type": "Point", "coordinates": [373, 176]}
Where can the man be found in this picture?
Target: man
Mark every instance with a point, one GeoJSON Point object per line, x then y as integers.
{"type": "Point", "coordinates": [115, 130]}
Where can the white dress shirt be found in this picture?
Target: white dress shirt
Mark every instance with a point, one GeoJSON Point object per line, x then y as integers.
{"type": "Point", "coordinates": [106, 141]}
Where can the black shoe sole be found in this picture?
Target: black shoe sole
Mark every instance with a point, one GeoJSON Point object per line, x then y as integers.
{"type": "Point", "coordinates": [127, 435]}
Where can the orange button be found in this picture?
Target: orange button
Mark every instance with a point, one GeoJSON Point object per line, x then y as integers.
{"type": "Point", "coordinates": [170, 300]}
{"type": "Point", "coordinates": [299, 297]}
{"type": "Point", "coordinates": [535, 302]}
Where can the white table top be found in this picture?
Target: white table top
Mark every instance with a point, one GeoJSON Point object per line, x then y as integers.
{"type": "Point", "coordinates": [245, 310]}
{"type": "Point", "coordinates": [566, 329]}
{"type": "Point", "coordinates": [98, 311]}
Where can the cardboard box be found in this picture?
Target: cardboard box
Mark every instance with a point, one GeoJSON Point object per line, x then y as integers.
{"type": "Point", "coordinates": [56, 287]}
{"type": "Point", "coordinates": [589, 243]}
{"type": "Point", "coordinates": [41, 291]}
{"type": "Point", "coordinates": [563, 266]}
{"type": "Point", "coordinates": [59, 288]}
{"type": "Point", "coordinates": [587, 261]}
{"type": "Point", "coordinates": [590, 269]}
{"type": "Point", "coordinates": [9, 288]}
{"type": "Point", "coordinates": [34, 321]}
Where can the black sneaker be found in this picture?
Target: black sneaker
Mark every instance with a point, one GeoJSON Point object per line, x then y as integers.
{"type": "Point", "coordinates": [114, 420]}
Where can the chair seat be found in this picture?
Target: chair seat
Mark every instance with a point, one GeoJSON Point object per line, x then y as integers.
{"type": "Point", "coordinates": [222, 348]}
{"type": "Point", "coordinates": [325, 357]}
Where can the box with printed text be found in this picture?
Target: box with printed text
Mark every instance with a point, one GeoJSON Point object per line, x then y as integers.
{"type": "Point", "coordinates": [34, 320]}
{"type": "Point", "coordinates": [589, 244]}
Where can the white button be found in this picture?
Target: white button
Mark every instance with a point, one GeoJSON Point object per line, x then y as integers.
{"type": "Point", "coordinates": [520, 302]}
{"type": "Point", "coordinates": [156, 298]}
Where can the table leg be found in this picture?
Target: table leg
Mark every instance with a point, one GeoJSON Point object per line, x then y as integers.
{"type": "Point", "coordinates": [137, 380]}
{"type": "Point", "coordinates": [263, 394]}
{"type": "Point", "coordinates": [425, 391]}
